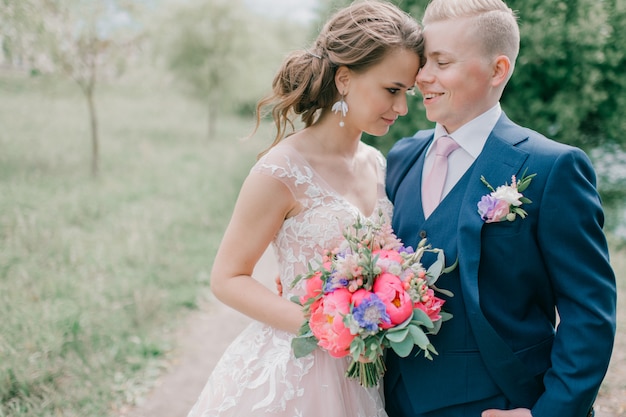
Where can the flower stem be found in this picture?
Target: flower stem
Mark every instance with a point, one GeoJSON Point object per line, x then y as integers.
{"type": "Point", "coordinates": [368, 373]}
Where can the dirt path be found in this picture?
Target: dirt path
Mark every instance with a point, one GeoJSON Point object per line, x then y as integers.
{"type": "Point", "coordinates": [200, 343]}
{"type": "Point", "coordinates": [208, 332]}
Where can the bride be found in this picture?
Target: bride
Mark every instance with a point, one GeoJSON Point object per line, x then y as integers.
{"type": "Point", "coordinates": [299, 197]}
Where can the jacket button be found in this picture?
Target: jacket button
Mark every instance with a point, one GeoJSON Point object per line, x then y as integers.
{"type": "Point", "coordinates": [422, 234]}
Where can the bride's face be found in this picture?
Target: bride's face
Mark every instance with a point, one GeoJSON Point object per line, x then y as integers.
{"type": "Point", "coordinates": [377, 96]}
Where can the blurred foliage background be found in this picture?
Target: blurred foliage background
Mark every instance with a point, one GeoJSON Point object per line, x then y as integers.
{"type": "Point", "coordinates": [120, 159]}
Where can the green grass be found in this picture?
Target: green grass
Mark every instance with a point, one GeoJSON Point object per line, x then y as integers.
{"type": "Point", "coordinates": [93, 272]}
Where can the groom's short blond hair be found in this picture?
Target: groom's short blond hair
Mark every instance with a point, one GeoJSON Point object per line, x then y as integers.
{"type": "Point", "coordinates": [494, 23]}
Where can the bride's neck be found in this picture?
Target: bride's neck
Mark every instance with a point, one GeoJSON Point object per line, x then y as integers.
{"type": "Point", "coordinates": [336, 140]}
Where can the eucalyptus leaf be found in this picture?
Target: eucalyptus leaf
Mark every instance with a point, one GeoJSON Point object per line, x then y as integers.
{"type": "Point", "coordinates": [403, 324]}
{"type": "Point", "coordinates": [419, 337]}
{"type": "Point", "coordinates": [403, 348]}
{"type": "Point", "coordinates": [422, 318]}
{"type": "Point", "coordinates": [434, 271]}
{"type": "Point", "coordinates": [357, 347]}
{"type": "Point", "coordinates": [302, 346]}
{"type": "Point", "coordinates": [397, 335]}
{"type": "Point", "coordinates": [451, 267]}
{"type": "Point", "coordinates": [436, 327]}
{"type": "Point", "coordinates": [445, 316]}
{"type": "Point", "coordinates": [295, 299]}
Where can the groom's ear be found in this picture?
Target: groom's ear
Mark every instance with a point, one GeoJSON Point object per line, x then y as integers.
{"type": "Point", "coordinates": [342, 79]}
{"type": "Point", "coordinates": [502, 70]}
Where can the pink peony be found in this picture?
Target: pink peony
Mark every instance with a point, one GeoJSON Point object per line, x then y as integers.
{"type": "Point", "coordinates": [390, 290]}
{"type": "Point", "coordinates": [313, 286]}
{"type": "Point", "coordinates": [327, 325]}
{"type": "Point", "coordinates": [391, 255]}
{"type": "Point", "coordinates": [359, 296]}
{"type": "Point", "coordinates": [431, 305]}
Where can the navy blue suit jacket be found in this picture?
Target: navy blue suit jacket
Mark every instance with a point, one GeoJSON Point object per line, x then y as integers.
{"type": "Point", "coordinates": [515, 274]}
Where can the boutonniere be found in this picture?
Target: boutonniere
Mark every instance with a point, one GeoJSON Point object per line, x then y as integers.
{"type": "Point", "coordinates": [504, 203]}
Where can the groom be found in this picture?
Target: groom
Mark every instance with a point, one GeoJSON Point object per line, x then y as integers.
{"type": "Point", "coordinates": [517, 277]}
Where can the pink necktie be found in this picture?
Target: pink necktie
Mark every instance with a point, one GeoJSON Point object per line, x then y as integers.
{"type": "Point", "coordinates": [436, 178]}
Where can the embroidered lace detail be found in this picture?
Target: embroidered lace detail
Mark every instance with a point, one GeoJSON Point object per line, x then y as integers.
{"type": "Point", "coordinates": [258, 374]}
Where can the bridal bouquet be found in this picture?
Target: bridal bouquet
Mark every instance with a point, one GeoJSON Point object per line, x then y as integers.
{"type": "Point", "coordinates": [368, 294]}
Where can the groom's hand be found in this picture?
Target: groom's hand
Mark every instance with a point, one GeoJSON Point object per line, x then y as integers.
{"type": "Point", "coordinates": [279, 285]}
{"type": "Point", "coordinates": [518, 412]}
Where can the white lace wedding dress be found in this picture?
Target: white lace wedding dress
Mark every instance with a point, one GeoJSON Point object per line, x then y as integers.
{"type": "Point", "coordinates": [258, 374]}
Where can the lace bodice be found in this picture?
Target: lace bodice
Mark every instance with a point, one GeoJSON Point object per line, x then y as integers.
{"type": "Point", "coordinates": [324, 215]}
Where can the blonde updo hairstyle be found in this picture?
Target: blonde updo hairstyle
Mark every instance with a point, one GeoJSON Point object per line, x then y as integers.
{"type": "Point", "coordinates": [358, 37]}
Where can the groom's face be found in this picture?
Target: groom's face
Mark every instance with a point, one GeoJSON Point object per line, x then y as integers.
{"type": "Point", "coordinates": [456, 78]}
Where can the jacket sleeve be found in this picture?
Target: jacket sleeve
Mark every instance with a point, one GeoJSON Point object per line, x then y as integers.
{"type": "Point", "coordinates": [576, 254]}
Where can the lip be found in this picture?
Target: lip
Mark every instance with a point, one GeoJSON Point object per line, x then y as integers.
{"type": "Point", "coordinates": [430, 96]}
{"type": "Point", "coordinates": [389, 121]}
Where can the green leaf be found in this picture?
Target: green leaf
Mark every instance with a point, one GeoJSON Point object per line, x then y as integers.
{"type": "Point", "coordinates": [436, 327]}
{"type": "Point", "coordinates": [484, 181]}
{"type": "Point", "coordinates": [451, 267]}
{"type": "Point", "coordinates": [403, 348]}
{"type": "Point", "coordinates": [419, 337]}
{"type": "Point", "coordinates": [295, 299]}
{"type": "Point", "coordinates": [422, 318]}
{"type": "Point", "coordinates": [445, 316]}
{"type": "Point", "coordinates": [302, 346]}
{"type": "Point", "coordinates": [434, 271]}
{"type": "Point", "coordinates": [402, 325]}
{"type": "Point", "coordinates": [397, 335]}
{"type": "Point", "coordinates": [442, 291]}
{"type": "Point", "coordinates": [357, 347]}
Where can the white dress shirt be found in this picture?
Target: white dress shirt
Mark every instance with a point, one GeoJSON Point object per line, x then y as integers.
{"type": "Point", "coordinates": [471, 138]}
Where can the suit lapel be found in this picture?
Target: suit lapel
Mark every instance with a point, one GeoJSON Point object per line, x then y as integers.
{"type": "Point", "coordinates": [499, 160]}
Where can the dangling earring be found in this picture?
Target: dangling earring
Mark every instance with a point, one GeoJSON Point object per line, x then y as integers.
{"type": "Point", "coordinates": [341, 106]}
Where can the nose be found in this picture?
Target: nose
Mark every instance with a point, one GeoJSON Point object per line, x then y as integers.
{"type": "Point", "coordinates": [424, 74]}
{"type": "Point", "coordinates": [400, 105]}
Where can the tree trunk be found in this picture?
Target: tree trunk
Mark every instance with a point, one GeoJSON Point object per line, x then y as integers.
{"type": "Point", "coordinates": [95, 151]}
{"type": "Point", "coordinates": [211, 128]}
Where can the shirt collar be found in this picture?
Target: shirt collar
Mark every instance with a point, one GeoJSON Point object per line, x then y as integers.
{"type": "Point", "coordinates": [473, 135]}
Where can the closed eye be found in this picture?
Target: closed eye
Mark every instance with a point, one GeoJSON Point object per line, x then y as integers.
{"type": "Point", "coordinates": [393, 90]}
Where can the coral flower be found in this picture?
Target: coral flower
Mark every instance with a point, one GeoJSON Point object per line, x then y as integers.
{"type": "Point", "coordinates": [327, 324]}
{"type": "Point", "coordinates": [390, 289]}
{"type": "Point", "coordinates": [391, 255]}
{"type": "Point", "coordinates": [313, 287]}
{"type": "Point", "coordinates": [431, 305]}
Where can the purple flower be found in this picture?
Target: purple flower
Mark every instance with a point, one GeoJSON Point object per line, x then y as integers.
{"type": "Point", "coordinates": [486, 205]}
{"type": "Point", "coordinates": [370, 312]}
{"type": "Point", "coordinates": [406, 249]}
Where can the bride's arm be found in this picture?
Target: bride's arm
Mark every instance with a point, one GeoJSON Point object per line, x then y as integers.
{"type": "Point", "coordinates": [261, 208]}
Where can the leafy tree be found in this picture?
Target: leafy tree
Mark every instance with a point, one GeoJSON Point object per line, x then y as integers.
{"type": "Point", "coordinates": [557, 85]}
{"type": "Point", "coordinates": [206, 48]}
{"type": "Point", "coordinates": [82, 39]}
{"type": "Point", "coordinates": [15, 17]}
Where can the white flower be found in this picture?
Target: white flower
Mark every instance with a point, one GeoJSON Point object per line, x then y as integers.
{"type": "Point", "coordinates": [508, 194]}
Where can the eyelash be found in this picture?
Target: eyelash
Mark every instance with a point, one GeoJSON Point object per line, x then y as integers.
{"type": "Point", "coordinates": [393, 90]}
